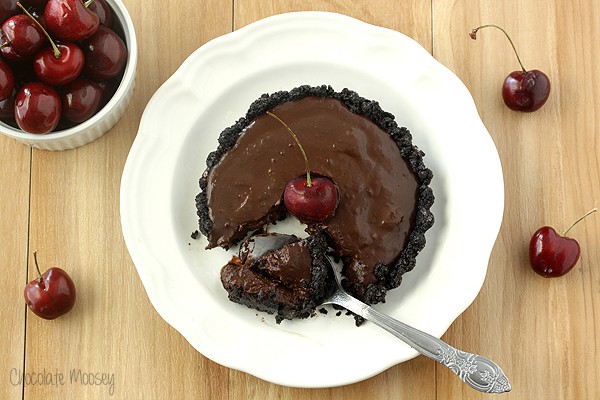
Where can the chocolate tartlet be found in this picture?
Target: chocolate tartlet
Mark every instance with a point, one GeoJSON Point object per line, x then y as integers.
{"type": "Point", "coordinates": [383, 185]}
{"type": "Point", "coordinates": [289, 282]}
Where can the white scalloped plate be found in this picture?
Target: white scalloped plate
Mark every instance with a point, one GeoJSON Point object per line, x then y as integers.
{"type": "Point", "coordinates": [209, 92]}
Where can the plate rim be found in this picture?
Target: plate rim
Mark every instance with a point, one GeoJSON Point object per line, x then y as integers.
{"type": "Point", "coordinates": [144, 139]}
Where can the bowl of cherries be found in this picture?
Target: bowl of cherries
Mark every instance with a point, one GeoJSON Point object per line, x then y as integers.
{"type": "Point", "coordinates": [67, 70]}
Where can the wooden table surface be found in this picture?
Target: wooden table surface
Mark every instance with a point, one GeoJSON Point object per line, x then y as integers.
{"type": "Point", "coordinates": [543, 332]}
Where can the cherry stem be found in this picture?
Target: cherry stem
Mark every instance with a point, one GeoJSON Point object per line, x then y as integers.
{"type": "Point", "coordinates": [87, 3]}
{"type": "Point", "coordinates": [37, 267]}
{"type": "Point", "coordinates": [575, 223]}
{"type": "Point", "coordinates": [308, 181]}
{"type": "Point", "coordinates": [473, 36]}
{"type": "Point", "coordinates": [57, 52]}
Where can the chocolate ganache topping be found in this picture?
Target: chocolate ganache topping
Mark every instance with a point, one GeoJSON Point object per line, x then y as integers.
{"type": "Point", "coordinates": [384, 199]}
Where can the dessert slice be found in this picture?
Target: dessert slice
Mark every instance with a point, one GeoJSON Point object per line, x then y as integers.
{"type": "Point", "coordinates": [289, 282]}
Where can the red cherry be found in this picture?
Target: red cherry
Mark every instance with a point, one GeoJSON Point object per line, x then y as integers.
{"type": "Point", "coordinates": [526, 90]}
{"type": "Point", "coordinates": [105, 55]}
{"type": "Point", "coordinates": [310, 204]}
{"type": "Point", "coordinates": [80, 100]}
{"type": "Point", "coordinates": [50, 295]}
{"type": "Point", "coordinates": [7, 81]}
{"type": "Point", "coordinates": [37, 108]}
{"type": "Point", "coordinates": [552, 255]}
{"type": "Point", "coordinates": [70, 20]}
{"type": "Point", "coordinates": [58, 71]}
{"type": "Point", "coordinates": [103, 11]}
{"type": "Point", "coordinates": [59, 64]}
{"type": "Point", "coordinates": [21, 38]}
{"type": "Point", "coordinates": [522, 90]}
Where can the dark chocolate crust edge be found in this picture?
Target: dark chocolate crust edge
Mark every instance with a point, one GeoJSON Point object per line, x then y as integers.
{"type": "Point", "coordinates": [321, 286]}
{"type": "Point", "coordinates": [389, 276]}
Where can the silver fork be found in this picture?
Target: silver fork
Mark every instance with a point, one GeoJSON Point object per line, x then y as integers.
{"type": "Point", "coordinates": [476, 371]}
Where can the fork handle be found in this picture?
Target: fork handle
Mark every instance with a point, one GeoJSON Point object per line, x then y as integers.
{"type": "Point", "coordinates": [476, 371]}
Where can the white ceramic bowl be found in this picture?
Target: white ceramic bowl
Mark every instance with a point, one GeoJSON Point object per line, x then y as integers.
{"type": "Point", "coordinates": [104, 119]}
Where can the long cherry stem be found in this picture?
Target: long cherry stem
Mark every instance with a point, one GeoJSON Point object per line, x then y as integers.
{"type": "Point", "coordinates": [57, 52]}
{"type": "Point", "coordinates": [575, 223]}
{"type": "Point", "coordinates": [473, 36]}
{"type": "Point", "coordinates": [308, 181]}
{"type": "Point", "coordinates": [87, 3]}
{"type": "Point", "coordinates": [37, 267]}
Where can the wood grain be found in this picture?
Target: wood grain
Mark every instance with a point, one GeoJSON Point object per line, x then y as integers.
{"type": "Point", "coordinates": [75, 224]}
{"type": "Point", "coordinates": [412, 18]}
{"type": "Point", "coordinates": [544, 333]}
{"type": "Point", "coordinates": [14, 225]}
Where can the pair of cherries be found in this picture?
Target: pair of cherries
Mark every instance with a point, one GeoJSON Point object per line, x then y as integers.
{"type": "Point", "coordinates": [68, 61]}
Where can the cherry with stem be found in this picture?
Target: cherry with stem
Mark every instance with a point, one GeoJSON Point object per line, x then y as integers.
{"type": "Point", "coordinates": [311, 200]}
{"type": "Point", "coordinates": [522, 90]}
{"type": "Point", "coordinates": [58, 66]}
{"type": "Point", "coordinates": [51, 294]}
{"type": "Point", "coordinates": [552, 255]}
